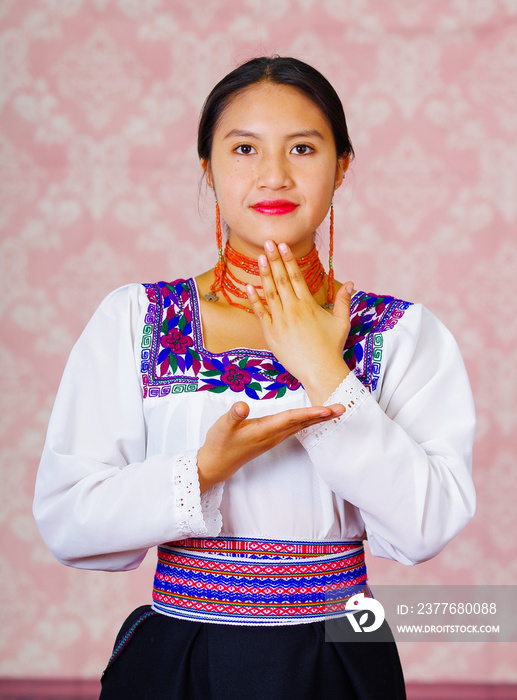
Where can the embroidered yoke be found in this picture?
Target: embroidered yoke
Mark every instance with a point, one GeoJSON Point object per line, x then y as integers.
{"type": "Point", "coordinates": [174, 360]}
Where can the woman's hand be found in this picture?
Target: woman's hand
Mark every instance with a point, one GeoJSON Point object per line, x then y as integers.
{"type": "Point", "coordinates": [304, 337]}
{"type": "Point", "coordinates": [235, 439]}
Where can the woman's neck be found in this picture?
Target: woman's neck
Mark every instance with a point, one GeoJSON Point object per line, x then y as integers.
{"type": "Point", "coordinates": [237, 270]}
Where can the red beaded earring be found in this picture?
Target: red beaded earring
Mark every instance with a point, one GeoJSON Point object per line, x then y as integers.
{"type": "Point", "coordinates": [330, 287]}
{"type": "Point", "coordinates": [219, 268]}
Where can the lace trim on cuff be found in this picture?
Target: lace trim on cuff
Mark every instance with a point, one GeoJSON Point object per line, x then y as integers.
{"type": "Point", "coordinates": [351, 393]}
{"type": "Point", "coordinates": [196, 516]}
{"type": "Point", "coordinates": [210, 502]}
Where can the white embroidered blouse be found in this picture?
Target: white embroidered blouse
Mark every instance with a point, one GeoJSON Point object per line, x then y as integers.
{"type": "Point", "coordinates": [118, 473]}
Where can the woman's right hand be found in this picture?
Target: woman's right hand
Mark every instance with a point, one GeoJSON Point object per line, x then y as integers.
{"type": "Point", "coordinates": [234, 439]}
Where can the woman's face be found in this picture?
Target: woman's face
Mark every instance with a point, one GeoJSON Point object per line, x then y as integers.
{"type": "Point", "coordinates": [274, 168]}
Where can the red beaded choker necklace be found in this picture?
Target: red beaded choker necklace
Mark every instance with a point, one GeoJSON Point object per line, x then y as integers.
{"type": "Point", "coordinates": [310, 266]}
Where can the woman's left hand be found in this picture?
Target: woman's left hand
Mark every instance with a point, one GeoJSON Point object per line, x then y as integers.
{"type": "Point", "coordinates": [305, 338]}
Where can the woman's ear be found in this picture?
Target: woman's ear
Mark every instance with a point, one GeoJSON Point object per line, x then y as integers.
{"type": "Point", "coordinates": [342, 166]}
{"type": "Point", "coordinates": [205, 164]}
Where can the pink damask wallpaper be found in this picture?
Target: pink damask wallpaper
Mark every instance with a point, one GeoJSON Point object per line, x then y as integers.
{"type": "Point", "coordinates": [99, 101]}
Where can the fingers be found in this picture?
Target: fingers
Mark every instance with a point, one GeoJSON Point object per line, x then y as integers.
{"type": "Point", "coordinates": [294, 426]}
{"type": "Point", "coordinates": [235, 439]}
{"type": "Point", "coordinates": [239, 412]}
{"type": "Point", "coordinates": [273, 280]}
{"type": "Point", "coordinates": [282, 279]}
{"type": "Point", "coordinates": [295, 274]}
{"type": "Point", "coordinates": [328, 413]}
{"type": "Point", "coordinates": [343, 301]}
{"type": "Point", "coordinates": [256, 304]}
{"type": "Point", "coordinates": [276, 427]}
{"type": "Point", "coordinates": [289, 422]}
{"type": "Point", "coordinates": [281, 275]}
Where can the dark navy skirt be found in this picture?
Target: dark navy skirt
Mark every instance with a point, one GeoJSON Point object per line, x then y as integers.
{"type": "Point", "coordinates": [160, 658]}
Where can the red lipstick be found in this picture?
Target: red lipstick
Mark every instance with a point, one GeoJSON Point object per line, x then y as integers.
{"type": "Point", "coordinates": [275, 207]}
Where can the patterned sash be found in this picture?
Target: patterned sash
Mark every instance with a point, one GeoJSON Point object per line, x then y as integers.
{"type": "Point", "coordinates": [244, 581]}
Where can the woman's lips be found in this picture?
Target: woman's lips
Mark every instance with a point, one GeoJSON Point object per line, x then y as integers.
{"type": "Point", "coordinates": [275, 207]}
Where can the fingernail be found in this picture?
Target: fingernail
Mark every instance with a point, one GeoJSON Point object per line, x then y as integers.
{"type": "Point", "coordinates": [283, 248]}
{"type": "Point", "coordinates": [262, 260]}
{"type": "Point", "coordinates": [250, 289]}
{"type": "Point", "coordinates": [349, 286]}
{"type": "Point", "coordinates": [269, 246]}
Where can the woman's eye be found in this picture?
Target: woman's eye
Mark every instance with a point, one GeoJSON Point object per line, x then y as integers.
{"type": "Point", "coordinates": [245, 149]}
{"type": "Point", "coordinates": [302, 149]}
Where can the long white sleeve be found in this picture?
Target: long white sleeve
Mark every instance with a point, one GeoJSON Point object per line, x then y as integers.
{"type": "Point", "coordinates": [100, 500]}
{"type": "Point", "coordinates": [403, 457]}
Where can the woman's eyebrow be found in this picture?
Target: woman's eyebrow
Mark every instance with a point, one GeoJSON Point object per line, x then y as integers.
{"type": "Point", "coordinates": [306, 133]}
{"type": "Point", "coordinates": [242, 133]}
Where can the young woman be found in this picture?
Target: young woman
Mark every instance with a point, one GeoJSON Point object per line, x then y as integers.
{"type": "Point", "coordinates": [257, 423]}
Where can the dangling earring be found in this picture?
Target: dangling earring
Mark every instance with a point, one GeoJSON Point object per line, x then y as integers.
{"type": "Point", "coordinates": [219, 268]}
{"type": "Point", "coordinates": [330, 282]}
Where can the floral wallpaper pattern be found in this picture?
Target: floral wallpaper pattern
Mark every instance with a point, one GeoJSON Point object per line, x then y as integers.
{"type": "Point", "coordinates": [100, 185]}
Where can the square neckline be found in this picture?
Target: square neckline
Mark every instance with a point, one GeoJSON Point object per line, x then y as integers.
{"type": "Point", "coordinates": [198, 322]}
{"type": "Point", "coordinates": [199, 335]}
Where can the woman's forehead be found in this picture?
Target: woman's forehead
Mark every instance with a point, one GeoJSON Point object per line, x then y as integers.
{"type": "Point", "coordinates": [270, 106]}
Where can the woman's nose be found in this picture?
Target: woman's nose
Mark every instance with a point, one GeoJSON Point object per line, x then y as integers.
{"type": "Point", "coordinates": [273, 173]}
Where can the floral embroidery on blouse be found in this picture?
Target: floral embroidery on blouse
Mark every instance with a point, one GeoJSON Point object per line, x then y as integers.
{"type": "Point", "coordinates": [174, 360]}
{"type": "Point", "coordinates": [370, 317]}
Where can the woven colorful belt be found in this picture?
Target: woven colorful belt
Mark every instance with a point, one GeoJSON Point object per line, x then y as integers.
{"type": "Point", "coordinates": [257, 582]}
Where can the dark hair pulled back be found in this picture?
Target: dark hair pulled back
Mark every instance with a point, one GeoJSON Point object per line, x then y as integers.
{"type": "Point", "coordinates": [281, 71]}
